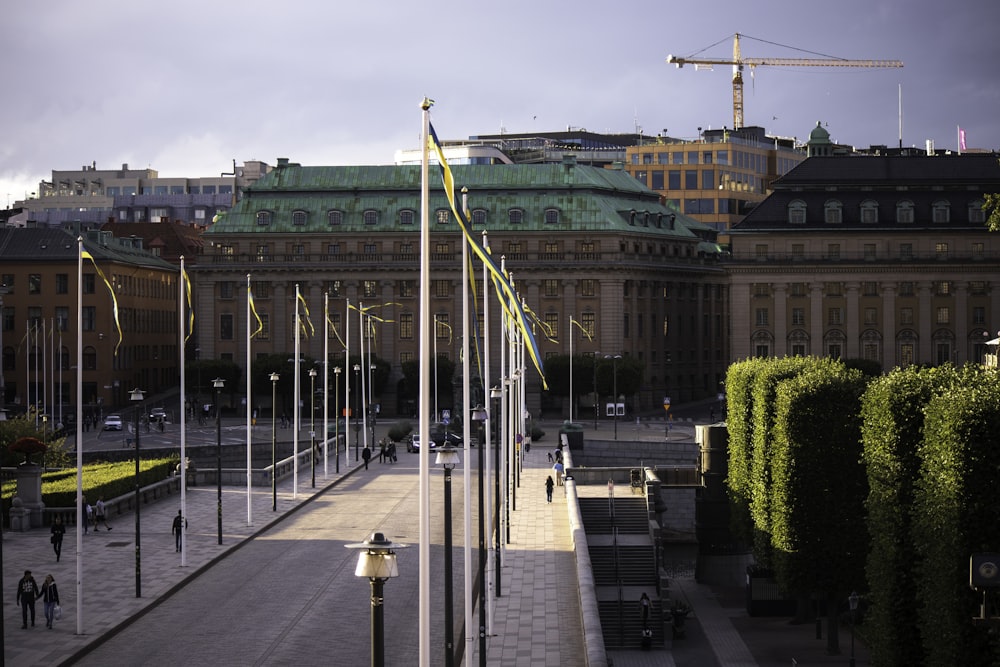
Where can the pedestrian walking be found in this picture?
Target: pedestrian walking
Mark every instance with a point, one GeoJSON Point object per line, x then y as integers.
{"type": "Point", "coordinates": [180, 525]}
{"type": "Point", "coordinates": [58, 530]}
{"type": "Point", "coordinates": [644, 603]}
{"type": "Point", "coordinates": [392, 452]}
{"type": "Point", "coordinates": [550, 457]}
{"type": "Point", "coordinates": [50, 599]}
{"type": "Point", "coordinates": [99, 515]}
{"type": "Point", "coordinates": [366, 454]}
{"type": "Point", "coordinates": [88, 515]}
{"type": "Point", "coordinates": [27, 593]}
{"type": "Point", "coordinates": [548, 488]}
{"type": "Point", "coordinates": [381, 451]}
{"type": "Point", "coordinates": [558, 467]}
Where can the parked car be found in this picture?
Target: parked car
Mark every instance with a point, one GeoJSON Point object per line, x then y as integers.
{"type": "Point", "coordinates": [157, 414]}
{"type": "Point", "coordinates": [440, 435]}
{"type": "Point", "coordinates": [413, 443]}
{"type": "Point", "coordinates": [113, 423]}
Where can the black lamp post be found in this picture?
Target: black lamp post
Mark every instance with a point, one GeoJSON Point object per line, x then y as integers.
{"type": "Point", "coordinates": [597, 402]}
{"type": "Point", "coordinates": [377, 562]}
{"type": "Point", "coordinates": [495, 394]}
{"type": "Point", "coordinates": [218, 383]}
{"type": "Point", "coordinates": [448, 458]}
{"type": "Point", "coordinates": [371, 404]}
{"type": "Point", "coordinates": [312, 423]}
{"type": "Point", "coordinates": [336, 418]}
{"type": "Point", "coordinates": [357, 406]}
{"type": "Point", "coordinates": [852, 600]}
{"type": "Point", "coordinates": [274, 436]}
{"type": "Point", "coordinates": [479, 414]}
{"type": "Point", "coordinates": [614, 382]}
{"type": "Point", "coordinates": [137, 398]}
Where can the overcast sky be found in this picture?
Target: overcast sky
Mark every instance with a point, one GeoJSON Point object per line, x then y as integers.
{"type": "Point", "coordinates": [185, 87]}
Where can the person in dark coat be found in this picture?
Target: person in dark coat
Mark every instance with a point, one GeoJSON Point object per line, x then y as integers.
{"type": "Point", "coordinates": [178, 527]}
{"type": "Point", "coordinates": [366, 454]}
{"type": "Point", "coordinates": [548, 488]}
{"type": "Point", "coordinates": [27, 593]}
{"type": "Point", "coordinates": [58, 530]}
{"type": "Point", "coordinates": [50, 597]}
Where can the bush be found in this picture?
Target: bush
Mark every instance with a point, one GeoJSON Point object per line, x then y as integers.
{"type": "Point", "coordinates": [399, 431]}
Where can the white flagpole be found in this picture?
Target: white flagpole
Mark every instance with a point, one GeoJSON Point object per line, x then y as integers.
{"type": "Point", "coordinates": [347, 387]}
{"type": "Point", "coordinates": [467, 436]}
{"type": "Point", "coordinates": [426, 330]}
{"type": "Point", "coordinates": [249, 415]}
{"type": "Point", "coordinates": [569, 332]}
{"type": "Point", "coordinates": [486, 452]}
{"type": "Point", "coordinates": [79, 436]}
{"type": "Point", "coordinates": [364, 372]}
{"type": "Point", "coordinates": [295, 401]}
{"type": "Point", "coordinates": [181, 334]}
{"type": "Point", "coordinates": [326, 384]}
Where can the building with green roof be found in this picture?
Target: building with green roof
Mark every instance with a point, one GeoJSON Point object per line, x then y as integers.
{"type": "Point", "coordinates": [591, 244]}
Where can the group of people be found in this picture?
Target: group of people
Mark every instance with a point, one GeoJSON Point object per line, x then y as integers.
{"type": "Point", "coordinates": [93, 515]}
{"type": "Point", "coordinates": [558, 468]}
{"type": "Point", "coordinates": [28, 591]}
{"type": "Point", "coordinates": [386, 452]}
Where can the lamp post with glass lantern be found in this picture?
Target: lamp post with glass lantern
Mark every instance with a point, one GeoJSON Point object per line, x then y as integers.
{"type": "Point", "coordinates": [336, 418]}
{"type": "Point", "coordinates": [274, 437]}
{"type": "Point", "coordinates": [218, 383]}
{"type": "Point", "coordinates": [136, 397]}
{"type": "Point", "coordinates": [377, 562]}
{"type": "Point", "coordinates": [614, 381]}
{"type": "Point", "coordinates": [312, 423]}
{"type": "Point", "coordinates": [448, 458]}
{"type": "Point", "coordinates": [479, 414]}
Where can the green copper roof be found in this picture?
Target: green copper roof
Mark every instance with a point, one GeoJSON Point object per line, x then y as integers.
{"type": "Point", "coordinates": [585, 198]}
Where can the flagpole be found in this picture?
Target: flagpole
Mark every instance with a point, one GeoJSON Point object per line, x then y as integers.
{"type": "Point", "coordinates": [182, 324]}
{"type": "Point", "coordinates": [364, 372]}
{"type": "Point", "coordinates": [250, 423]}
{"type": "Point", "coordinates": [326, 383]}
{"type": "Point", "coordinates": [486, 454]}
{"type": "Point", "coordinates": [295, 401]}
{"type": "Point", "coordinates": [467, 434]}
{"type": "Point", "coordinates": [426, 329]}
{"type": "Point", "coordinates": [569, 332]}
{"type": "Point", "coordinates": [347, 388]}
{"type": "Point", "coordinates": [79, 436]}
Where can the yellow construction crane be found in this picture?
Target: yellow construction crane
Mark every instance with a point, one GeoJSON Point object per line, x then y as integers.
{"type": "Point", "coordinates": [739, 62]}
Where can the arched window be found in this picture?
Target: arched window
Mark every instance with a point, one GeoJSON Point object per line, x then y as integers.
{"type": "Point", "coordinates": [370, 217]}
{"type": "Point", "coordinates": [298, 217]}
{"type": "Point", "coordinates": [904, 211]}
{"type": "Point", "coordinates": [479, 217]}
{"type": "Point", "coordinates": [797, 212]}
{"type": "Point", "coordinates": [515, 216]}
{"type": "Point", "coordinates": [941, 211]}
{"type": "Point", "coordinates": [406, 217]}
{"type": "Point", "coordinates": [976, 212]}
{"type": "Point", "coordinates": [833, 212]}
{"type": "Point", "coordinates": [798, 343]}
{"type": "Point", "coordinates": [335, 217]}
{"type": "Point", "coordinates": [263, 217]}
{"type": "Point", "coordinates": [551, 216]}
{"type": "Point", "coordinates": [869, 212]}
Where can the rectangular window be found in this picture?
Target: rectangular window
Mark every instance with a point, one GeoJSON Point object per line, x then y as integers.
{"type": "Point", "coordinates": [760, 250]}
{"type": "Point", "coordinates": [798, 251]}
{"type": "Point", "coordinates": [551, 287]}
{"type": "Point", "coordinates": [442, 288]}
{"type": "Point", "coordinates": [261, 289]}
{"type": "Point", "coordinates": [834, 289]}
{"type": "Point", "coordinates": [89, 283]}
{"type": "Point", "coordinates": [333, 287]}
{"type": "Point", "coordinates": [407, 288]}
{"type": "Point", "coordinates": [226, 326]}
{"type": "Point", "coordinates": [89, 318]}
{"type": "Point", "coordinates": [942, 287]}
{"type": "Point", "coordinates": [62, 283]}
{"type": "Point", "coordinates": [225, 289]}
{"type": "Point", "coordinates": [406, 326]}
{"type": "Point", "coordinates": [906, 315]}
{"type": "Point", "coordinates": [674, 179]}
{"type": "Point", "coordinates": [265, 326]}
{"type": "Point", "coordinates": [941, 250]}
{"type": "Point", "coordinates": [656, 179]}
{"type": "Point", "coordinates": [943, 315]}
{"type": "Point", "coordinates": [834, 315]}
{"type": "Point", "coordinates": [977, 287]}
{"type": "Point", "coordinates": [625, 326]}
{"type": "Point", "coordinates": [692, 157]}
{"type": "Point", "coordinates": [833, 251]}
{"type": "Point", "coordinates": [708, 178]}
{"type": "Point", "coordinates": [978, 315]}
{"type": "Point", "coordinates": [62, 318]}
{"type": "Point", "coordinates": [906, 251]}
{"type": "Point", "coordinates": [798, 317]}
{"type": "Point", "coordinates": [442, 330]}
{"type": "Point", "coordinates": [761, 289]}
{"type": "Point", "coordinates": [869, 251]}
{"type": "Point", "coordinates": [869, 288]}
{"type": "Point", "coordinates": [34, 283]}
{"type": "Point", "coordinates": [369, 289]}
{"type": "Point", "coordinates": [588, 287]}
{"type": "Point", "coordinates": [588, 321]}
{"type": "Point", "coordinates": [871, 316]}
{"type": "Point", "coordinates": [977, 249]}
{"type": "Point", "coordinates": [690, 179]}
{"type": "Point", "coordinates": [761, 317]}
{"type": "Point", "coordinates": [906, 288]}
{"type": "Point", "coordinates": [552, 324]}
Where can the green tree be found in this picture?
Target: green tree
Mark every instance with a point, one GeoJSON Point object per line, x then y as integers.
{"type": "Point", "coordinates": [991, 205]}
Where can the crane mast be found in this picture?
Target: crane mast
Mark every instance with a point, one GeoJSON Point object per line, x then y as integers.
{"type": "Point", "coordinates": [739, 62]}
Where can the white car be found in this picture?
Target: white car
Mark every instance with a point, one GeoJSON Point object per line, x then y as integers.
{"type": "Point", "coordinates": [113, 423]}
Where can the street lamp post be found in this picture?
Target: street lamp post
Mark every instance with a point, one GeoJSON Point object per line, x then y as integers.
{"type": "Point", "coordinates": [137, 398]}
{"type": "Point", "coordinates": [852, 600]}
{"type": "Point", "coordinates": [448, 458]}
{"type": "Point", "coordinates": [274, 436]}
{"type": "Point", "coordinates": [479, 414]}
{"type": "Point", "coordinates": [357, 405]}
{"type": "Point", "coordinates": [371, 404]}
{"type": "Point", "coordinates": [614, 381]}
{"type": "Point", "coordinates": [597, 402]}
{"type": "Point", "coordinates": [312, 423]}
{"type": "Point", "coordinates": [218, 383]}
{"type": "Point", "coordinates": [377, 562]}
{"type": "Point", "coordinates": [495, 394]}
{"type": "Point", "coordinates": [336, 418]}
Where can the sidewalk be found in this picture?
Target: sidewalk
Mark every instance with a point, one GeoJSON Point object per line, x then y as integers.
{"type": "Point", "coordinates": [109, 601]}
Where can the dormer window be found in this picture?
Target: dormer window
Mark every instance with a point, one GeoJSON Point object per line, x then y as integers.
{"type": "Point", "coordinates": [515, 216]}
{"type": "Point", "coordinates": [298, 218]}
{"type": "Point", "coordinates": [263, 218]}
{"type": "Point", "coordinates": [976, 212]}
{"type": "Point", "coordinates": [370, 217]}
{"type": "Point", "coordinates": [869, 212]}
{"type": "Point", "coordinates": [335, 218]}
{"type": "Point", "coordinates": [904, 212]}
{"type": "Point", "coordinates": [406, 217]}
{"type": "Point", "coordinates": [479, 217]}
{"type": "Point", "coordinates": [797, 212]}
{"type": "Point", "coordinates": [941, 211]}
{"type": "Point", "coordinates": [442, 216]}
{"type": "Point", "coordinates": [551, 216]}
{"type": "Point", "coordinates": [833, 212]}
